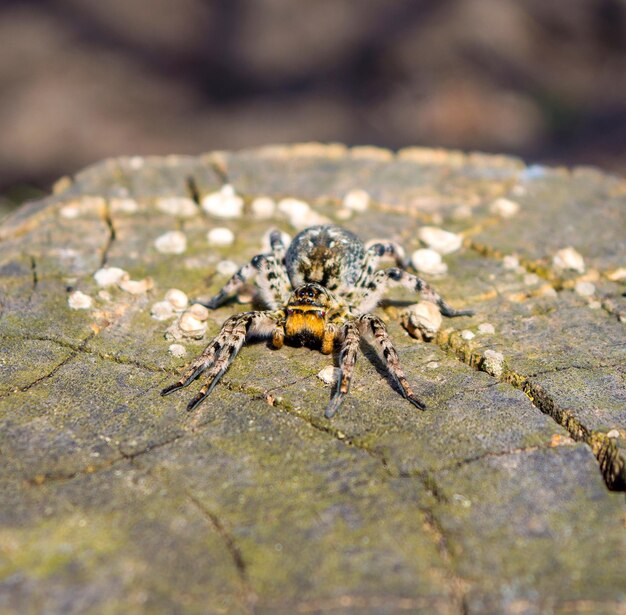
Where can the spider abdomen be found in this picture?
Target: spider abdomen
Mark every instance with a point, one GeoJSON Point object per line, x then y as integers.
{"type": "Point", "coordinates": [327, 255]}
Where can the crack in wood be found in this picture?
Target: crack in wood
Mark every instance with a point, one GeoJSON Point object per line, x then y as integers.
{"type": "Point", "coordinates": [53, 371]}
{"type": "Point", "coordinates": [35, 277]}
{"type": "Point", "coordinates": [543, 271]}
{"type": "Point", "coordinates": [250, 596]}
{"type": "Point", "coordinates": [191, 187]}
{"type": "Point", "coordinates": [108, 220]}
{"type": "Point", "coordinates": [610, 460]}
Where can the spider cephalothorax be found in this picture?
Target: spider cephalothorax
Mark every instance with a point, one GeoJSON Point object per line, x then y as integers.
{"type": "Point", "coordinates": [319, 293]}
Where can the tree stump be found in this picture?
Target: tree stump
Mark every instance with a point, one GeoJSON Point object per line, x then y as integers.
{"type": "Point", "coordinates": [504, 496]}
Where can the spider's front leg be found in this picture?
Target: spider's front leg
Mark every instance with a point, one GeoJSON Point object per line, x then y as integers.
{"type": "Point", "coordinates": [347, 359]}
{"type": "Point", "coordinates": [387, 278]}
{"type": "Point", "coordinates": [272, 278]}
{"type": "Point", "coordinates": [379, 330]}
{"type": "Point", "coordinates": [222, 350]}
{"type": "Point", "coordinates": [376, 251]}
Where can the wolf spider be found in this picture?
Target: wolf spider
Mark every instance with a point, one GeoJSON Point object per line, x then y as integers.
{"type": "Point", "coordinates": [319, 293]}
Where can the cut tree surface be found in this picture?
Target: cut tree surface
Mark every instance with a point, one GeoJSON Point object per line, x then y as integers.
{"type": "Point", "coordinates": [504, 496]}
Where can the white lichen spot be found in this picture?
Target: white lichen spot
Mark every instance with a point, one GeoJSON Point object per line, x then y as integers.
{"type": "Point", "coordinates": [173, 242]}
{"type": "Point", "coordinates": [246, 294]}
{"type": "Point", "coordinates": [505, 208]}
{"type": "Point", "coordinates": [467, 335]}
{"type": "Point", "coordinates": [568, 258]}
{"type": "Point", "coordinates": [594, 305]}
{"type": "Point", "coordinates": [199, 312]}
{"type": "Point", "coordinates": [136, 162]}
{"type": "Point", "coordinates": [511, 262]}
{"type": "Point", "coordinates": [263, 207]}
{"type": "Point", "coordinates": [530, 279]}
{"type": "Point", "coordinates": [486, 328]}
{"type": "Point", "coordinates": [79, 300]}
{"type": "Point", "coordinates": [226, 268]}
{"type": "Point", "coordinates": [357, 200]}
{"type": "Point", "coordinates": [191, 326]}
{"type": "Point", "coordinates": [82, 205]}
{"type": "Point", "coordinates": [329, 375]}
{"type": "Point", "coordinates": [422, 320]}
{"type": "Point", "coordinates": [105, 295]}
{"type": "Point", "coordinates": [123, 205]}
{"type": "Point", "coordinates": [426, 260]}
{"type": "Point", "coordinates": [462, 212]}
{"type": "Point", "coordinates": [180, 206]}
{"type": "Point", "coordinates": [225, 203]}
{"type": "Point", "coordinates": [585, 289]}
{"type": "Point", "coordinates": [300, 214]}
{"type": "Point", "coordinates": [177, 299]}
{"type": "Point", "coordinates": [220, 236]}
{"type": "Point", "coordinates": [614, 433]}
{"type": "Point", "coordinates": [69, 212]}
{"type": "Point", "coordinates": [173, 332]}
{"type": "Point", "coordinates": [344, 214]}
{"type": "Point", "coordinates": [493, 363]}
{"type": "Point", "coordinates": [177, 350]}
{"type": "Point", "coordinates": [432, 365]}
{"type": "Point", "coordinates": [162, 310]}
{"type": "Point", "coordinates": [136, 287]}
{"type": "Point", "coordinates": [439, 240]}
{"type": "Point", "coordinates": [617, 275]}
{"type": "Point", "coordinates": [109, 276]}
{"type": "Point", "coordinates": [547, 290]}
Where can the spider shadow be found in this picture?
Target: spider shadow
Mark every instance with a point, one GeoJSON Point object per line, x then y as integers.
{"type": "Point", "coordinates": [372, 355]}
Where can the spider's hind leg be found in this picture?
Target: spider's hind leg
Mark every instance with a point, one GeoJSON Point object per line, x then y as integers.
{"type": "Point", "coordinates": [374, 253]}
{"type": "Point", "coordinates": [386, 278]}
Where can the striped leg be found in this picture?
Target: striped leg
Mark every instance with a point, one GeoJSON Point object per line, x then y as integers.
{"type": "Point", "coordinates": [378, 329]}
{"type": "Point", "coordinates": [278, 247]}
{"type": "Point", "coordinates": [272, 280]}
{"type": "Point", "coordinates": [220, 353]}
{"type": "Point", "coordinates": [347, 359]}
{"type": "Point", "coordinates": [386, 278]}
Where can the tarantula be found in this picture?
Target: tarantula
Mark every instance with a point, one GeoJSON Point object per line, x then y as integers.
{"type": "Point", "coordinates": [319, 293]}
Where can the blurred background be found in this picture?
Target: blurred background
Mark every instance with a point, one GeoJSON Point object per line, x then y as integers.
{"type": "Point", "coordinates": [86, 79]}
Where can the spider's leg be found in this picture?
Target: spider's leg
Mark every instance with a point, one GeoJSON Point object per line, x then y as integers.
{"type": "Point", "coordinates": [347, 359]}
{"type": "Point", "coordinates": [374, 253]}
{"type": "Point", "coordinates": [220, 353]}
{"type": "Point", "coordinates": [278, 247]}
{"type": "Point", "coordinates": [386, 278]}
{"type": "Point", "coordinates": [272, 279]}
{"type": "Point", "coordinates": [378, 329]}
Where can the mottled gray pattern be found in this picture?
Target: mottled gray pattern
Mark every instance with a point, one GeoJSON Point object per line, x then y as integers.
{"type": "Point", "coordinates": [328, 255]}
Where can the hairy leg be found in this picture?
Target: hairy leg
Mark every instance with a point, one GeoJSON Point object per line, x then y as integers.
{"type": "Point", "coordinates": [278, 247]}
{"type": "Point", "coordinates": [347, 359]}
{"type": "Point", "coordinates": [387, 278]}
{"type": "Point", "coordinates": [272, 280]}
{"type": "Point", "coordinates": [378, 329]}
{"type": "Point", "coordinates": [222, 350]}
{"type": "Point", "coordinates": [372, 257]}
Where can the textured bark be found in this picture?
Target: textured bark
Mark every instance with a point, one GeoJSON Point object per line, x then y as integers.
{"type": "Point", "coordinates": [503, 497]}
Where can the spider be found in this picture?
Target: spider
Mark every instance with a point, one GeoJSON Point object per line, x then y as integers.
{"type": "Point", "coordinates": [319, 293]}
